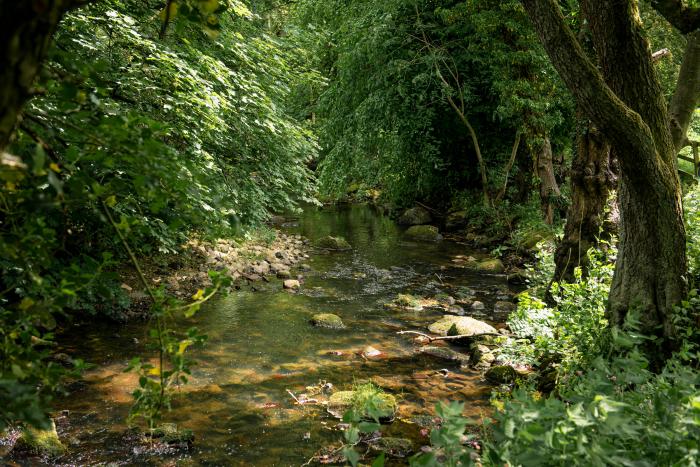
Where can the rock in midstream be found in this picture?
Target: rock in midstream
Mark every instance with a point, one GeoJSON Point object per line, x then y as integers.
{"type": "Point", "coordinates": [464, 325]}
{"type": "Point", "coordinates": [327, 320]}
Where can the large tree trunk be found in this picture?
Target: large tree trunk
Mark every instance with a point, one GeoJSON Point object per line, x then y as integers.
{"type": "Point", "coordinates": [26, 29]}
{"type": "Point", "coordinates": [592, 178]}
{"type": "Point", "coordinates": [631, 112]}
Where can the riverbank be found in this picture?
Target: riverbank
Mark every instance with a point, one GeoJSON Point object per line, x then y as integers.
{"type": "Point", "coordinates": [264, 254]}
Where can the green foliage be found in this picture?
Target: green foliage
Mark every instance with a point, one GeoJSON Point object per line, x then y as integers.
{"type": "Point", "coordinates": [369, 405]}
{"type": "Point", "coordinates": [691, 208]}
{"type": "Point", "coordinates": [616, 413]}
{"type": "Point", "coordinates": [449, 440]}
{"type": "Point", "coordinates": [186, 133]}
{"type": "Point", "coordinates": [613, 411]}
{"type": "Point", "coordinates": [384, 118]}
{"type": "Point", "coordinates": [572, 329]}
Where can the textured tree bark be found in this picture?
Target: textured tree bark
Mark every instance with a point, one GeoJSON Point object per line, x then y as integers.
{"type": "Point", "coordinates": [686, 97]}
{"type": "Point", "coordinates": [549, 190]}
{"type": "Point", "coordinates": [630, 111]}
{"type": "Point", "coordinates": [592, 178]}
{"type": "Point", "coordinates": [26, 30]}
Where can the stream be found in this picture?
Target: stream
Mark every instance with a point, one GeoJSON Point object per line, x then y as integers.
{"type": "Point", "coordinates": [261, 345]}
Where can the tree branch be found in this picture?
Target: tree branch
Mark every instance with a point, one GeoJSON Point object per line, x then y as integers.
{"type": "Point", "coordinates": [448, 338]}
{"type": "Point", "coordinates": [686, 97]}
{"type": "Point", "coordinates": [623, 126]}
{"type": "Point", "coordinates": [681, 16]}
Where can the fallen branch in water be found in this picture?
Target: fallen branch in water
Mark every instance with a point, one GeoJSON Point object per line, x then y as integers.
{"type": "Point", "coordinates": [446, 338]}
{"type": "Point", "coordinates": [294, 397]}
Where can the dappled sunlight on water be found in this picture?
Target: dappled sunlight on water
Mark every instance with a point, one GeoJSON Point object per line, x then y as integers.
{"type": "Point", "coordinates": [261, 347]}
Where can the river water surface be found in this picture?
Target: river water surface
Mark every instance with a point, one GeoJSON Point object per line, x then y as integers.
{"type": "Point", "coordinates": [261, 346]}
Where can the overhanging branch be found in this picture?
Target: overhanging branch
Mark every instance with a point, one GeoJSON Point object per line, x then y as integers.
{"type": "Point", "coordinates": [680, 15]}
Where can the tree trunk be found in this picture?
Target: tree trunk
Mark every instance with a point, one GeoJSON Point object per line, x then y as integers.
{"type": "Point", "coordinates": [686, 96]}
{"type": "Point", "coordinates": [549, 190]}
{"type": "Point", "coordinates": [629, 109]}
{"type": "Point", "coordinates": [26, 29]}
{"type": "Point", "coordinates": [523, 175]}
{"type": "Point", "coordinates": [591, 179]}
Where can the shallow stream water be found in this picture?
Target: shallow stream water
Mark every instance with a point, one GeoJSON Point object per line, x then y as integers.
{"type": "Point", "coordinates": [261, 346]}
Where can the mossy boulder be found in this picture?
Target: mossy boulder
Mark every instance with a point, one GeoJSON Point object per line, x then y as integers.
{"type": "Point", "coordinates": [530, 239]}
{"type": "Point", "coordinates": [394, 447]}
{"type": "Point", "coordinates": [39, 442]}
{"type": "Point", "coordinates": [424, 233]}
{"type": "Point", "coordinates": [460, 325]}
{"type": "Point", "coordinates": [456, 220]}
{"type": "Point", "coordinates": [407, 301]}
{"type": "Point", "coordinates": [493, 266]}
{"type": "Point", "coordinates": [481, 355]}
{"type": "Point", "coordinates": [360, 400]}
{"type": "Point", "coordinates": [333, 243]}
{"type": "Point", "coordinates": [415, 216]}
{"type": "Point", "coordinates": [501, 374]}
{"type": "Point", "coordinates": [327, 320]}
{"type": "Point", "coordinates": [169, 434]}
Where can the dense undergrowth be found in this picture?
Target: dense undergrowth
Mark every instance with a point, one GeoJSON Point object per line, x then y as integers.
{"type": "Point", "coordinates": [609, 405]}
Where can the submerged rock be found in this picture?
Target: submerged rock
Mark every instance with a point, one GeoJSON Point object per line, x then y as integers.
{"type": "Point", "coordinates": [394, 447]}
{"type": "Point", "coordinates": [39, 442]}
{"type": "Point", "coordinates": [445, 353]}
{"type": "Point", "coordinates": [333, 243]}
{"type": "Point", "coordinates": [291, 284]}
{"type": "Point", "coordinates": [463, 325]}
{"type": "Point", "coordinates": [415, 216]}
{"type": "Point", "coordinates": [494, 266]}
{"type": "Point", "coordinates": [327, 320]}
{"type": "Point", "coordinates": [425, 233]}
{"type": "Point", "coordinates": [371, 352]}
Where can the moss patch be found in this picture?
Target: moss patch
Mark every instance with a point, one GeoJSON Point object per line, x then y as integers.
{"type": "Point", "coordinates": [494, 266]}
{"type": "Point", "coordinates": [41, 442]}
{"type": "Point", "coordinates": [327, 320]}
{"type": "Point", "coordinates": [366, 399]}
{"type": "Point", "coordinates": [333, 243]}
{"type": "Point", "coordinates": [424, 233]}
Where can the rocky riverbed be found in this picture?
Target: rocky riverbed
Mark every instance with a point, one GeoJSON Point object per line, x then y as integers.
{"type": "Point", "coordinates": [312, 319]}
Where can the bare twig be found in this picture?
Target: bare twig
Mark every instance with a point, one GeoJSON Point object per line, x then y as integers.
{"type": "Point", "coordinates": [294, 397]}
{"type": "Point", "coordinates": [659, 54]}
{"type": "Point", "coordinates": [447, 338]}
{"type": "Point", "coordinates": [509, 166]}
